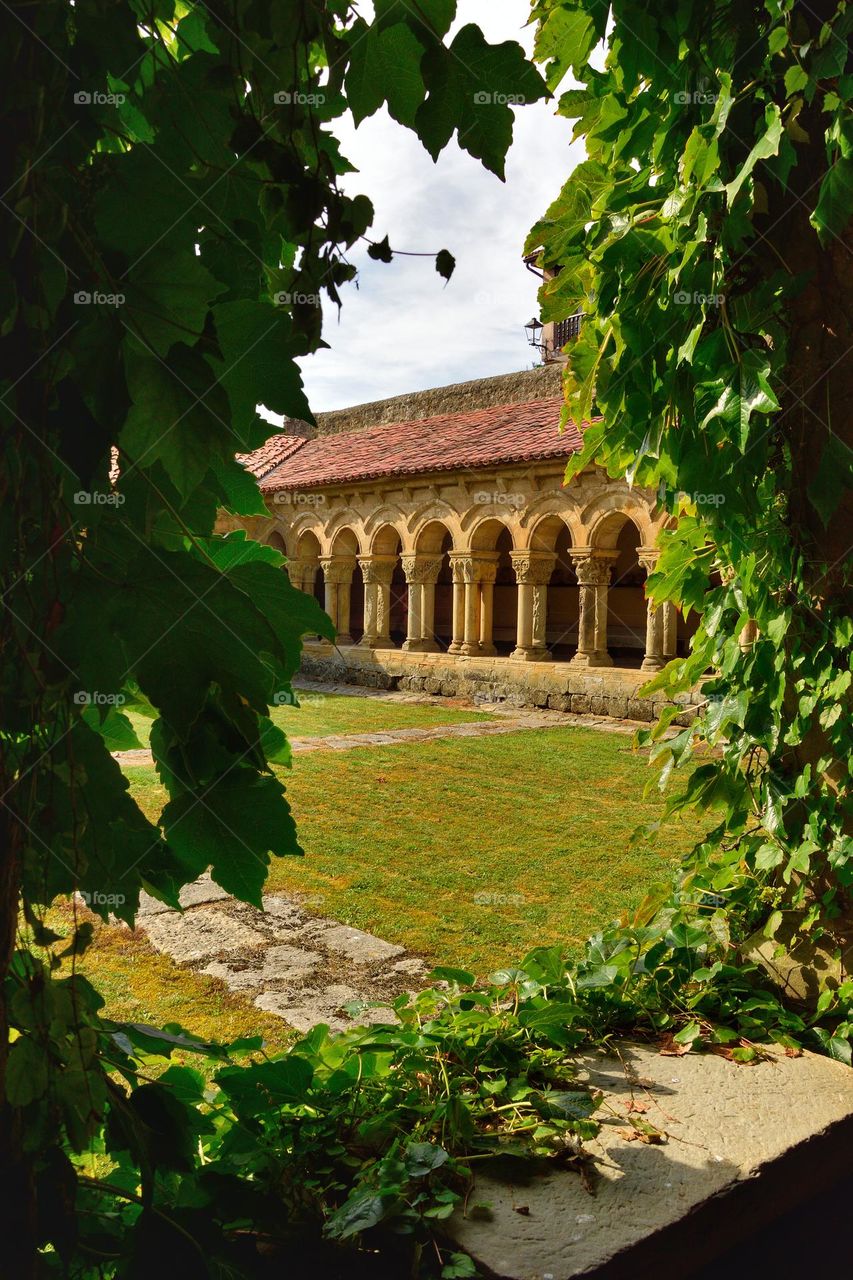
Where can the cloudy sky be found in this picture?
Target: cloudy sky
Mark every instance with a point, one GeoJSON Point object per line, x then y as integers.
{"type": "Point", "coordinates": [401, 329]}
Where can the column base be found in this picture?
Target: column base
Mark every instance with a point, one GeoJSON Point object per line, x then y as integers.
{"type": "Point", "coordinates": [454, 648]}
{"type": "Point", "coordinates": [421, 646]}
{"type": "Point", "coordinates": [344, 640]}
{"type": "Point", "coordinates": [597, 659]}
{"type": "Point", "coordinates": [476, 651]}
{"type": "Point", "coordinates": [652, 664]}
{"type": "Point", "coordinates": [531, 653]}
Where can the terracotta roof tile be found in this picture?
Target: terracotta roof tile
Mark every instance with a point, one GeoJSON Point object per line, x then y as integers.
{"type": "Point", "coordinates": [477, 439]}
{"type": "Point", "coordinates": [264, 460]}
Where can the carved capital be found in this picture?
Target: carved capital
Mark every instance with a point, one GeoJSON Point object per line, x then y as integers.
{"type": "Point", "coordinates": [377, 568]}
{"type": "Point", "coordinates": [474, 566]}
{"type": "Point", "coordinates": [338, 570]}
{"type": "Point", "coordinates": [421, 569]}
{"type": "Point", "coordinates": [648, 558]}
{"type": "Point", "coordinates": [298, 570]}
{"type": "Point", "coordinates": [533, 567]}
{"type": "Point", "coordinates": [592, 570]}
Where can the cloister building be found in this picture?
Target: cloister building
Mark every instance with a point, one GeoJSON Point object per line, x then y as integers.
{"type": "Point", "coordinates": [438, 533]}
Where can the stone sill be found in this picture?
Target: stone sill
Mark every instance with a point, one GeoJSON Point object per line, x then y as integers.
{"type": "Point", "coordinates": [743, 1147]}
{"type": "Point", "coordinates": [598, 691]}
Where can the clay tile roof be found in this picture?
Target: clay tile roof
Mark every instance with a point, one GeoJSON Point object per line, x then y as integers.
{"type": "Point", "coordinates": [264, 460]}
{"type": "Point", "coordinates": [474, 439]}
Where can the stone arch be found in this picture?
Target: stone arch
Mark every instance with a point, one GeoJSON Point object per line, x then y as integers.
{"type": "Point", "coordinates": [485, 533]}
{"type": "Point", "coordinates": [306, 563]}
{"type": "Point", "coordinates": [434, 511]}
{"type": "Point", "coordinates": [605, 516]}
{"type": "Point", "coordinates": [306, 522]}
{"type": "Point", "coordinates": [553, 536]}
{"type": "Point", "coordinates": [349, 519]}
{"type": "Point", "coordinates": [276, 541]}
{"type": "Point", "coordinates": [566, 509]}
{"type": "Point", "coordinates": [387, 516]}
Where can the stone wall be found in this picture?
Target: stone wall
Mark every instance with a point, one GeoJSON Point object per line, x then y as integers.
{"type": "Point", "coordinates": [460, 397]}
{"type": "Point", "coordinates": [612, 692]}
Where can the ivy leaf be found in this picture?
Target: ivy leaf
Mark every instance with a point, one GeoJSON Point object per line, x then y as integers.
{"type": "Point", "coordinates": [168, 294]}
{"type": "Point", "coordinates": [381, 251]}
{"type": "Point", "coordinates": [257, 365]}
{"type": "Point", "coordinates": [472, 86]}
{"type": "Point", "coordinates": [766, 146]}
{"type": "Point", "coordinates": [445, 264]}
{"type": "Point", "coordinates": [208, 828]}
{"type": "Point", "coordinates": [835, 201]}
{"type": "Point", "coordinates": [385, 66]}
{"type": "Point", "coordinates": [435, 16]}
{"type": "Point", "coordinates": [26, 1072]}
{"type": "Point", "coordinates": [357, 1214]}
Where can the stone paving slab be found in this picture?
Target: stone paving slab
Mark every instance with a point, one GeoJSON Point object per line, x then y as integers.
{"type": "Point", "coordinates": [723, 1126]}
{"type": "Point", "coordinates": [301, 967]}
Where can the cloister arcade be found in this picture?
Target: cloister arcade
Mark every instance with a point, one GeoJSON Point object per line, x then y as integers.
{"type": "Point", "coordinates": [557, 574]}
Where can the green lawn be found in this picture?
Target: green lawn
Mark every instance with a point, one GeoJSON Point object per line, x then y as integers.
{"type": "Point", "coordinates": [472, 851]}
{"type": "Point", "coordinates": [320, 714]}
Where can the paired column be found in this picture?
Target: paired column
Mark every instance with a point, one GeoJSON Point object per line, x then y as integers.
{"type": "Point", "coordinates": [473, 602]}
{"type": "Point", "coordinates": [301, 575]}
{"type": "Point", "coordinates": [593, 574]}
{"type": "Point", "coordinates": [377, 572]}
{"type": "Point", "coordinates": [337, 572]}
{"type": "Point", "coordinates": [421, 575]}
{"type": "Point", "coordinates": [653, 659]}
{"type": "Point", "coordinates": [533, 571]}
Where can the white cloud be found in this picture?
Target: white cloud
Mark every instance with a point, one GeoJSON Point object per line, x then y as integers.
{"type": "Point", "coordinates": [402, 329]}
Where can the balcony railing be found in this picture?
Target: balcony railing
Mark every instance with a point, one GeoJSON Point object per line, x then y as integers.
{"type": "Point", "coordinates": [565, 330]}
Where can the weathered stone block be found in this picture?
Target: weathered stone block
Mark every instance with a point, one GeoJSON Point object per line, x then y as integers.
{"type": "Point", "coordinates": [580, 704]}
{"type": "Point", "coordinates": [739, 1146]}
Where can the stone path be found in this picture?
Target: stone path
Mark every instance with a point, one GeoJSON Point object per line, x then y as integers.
{"type": "Point", "coordinates": [301, 967]}
{"type": "Point", "coordinates": [508, 720]}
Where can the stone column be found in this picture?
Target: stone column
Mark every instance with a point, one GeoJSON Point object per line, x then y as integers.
{"type": "Point", "coordinates": [593, 573]}
{"type": "Point", "coordinates": [377, 572]}
{"type": "Point", "coordinates": [533, 571]}
{"type": "Point", "coordinates": [456, 565]}
{"type": "Point", "coordinates": [421, 575]}
{"type": "Point", "coordinates": [337, 572]}
{"type": "Point", "coordinates": [475, 573]}
{"type": "Point", "coordinates": [487, 572]}
{"type": "Point", "coordinates": [653, 659]}
{"type": "Point", "coordinates": [298, 572]}
{"type": "Point", "coordinates": [670, 630]}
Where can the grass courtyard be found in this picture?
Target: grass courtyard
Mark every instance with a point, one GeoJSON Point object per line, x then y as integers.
{"type": "Point", "coordinates": [466, 851]}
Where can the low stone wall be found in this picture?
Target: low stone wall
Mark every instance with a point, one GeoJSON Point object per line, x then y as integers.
{"type": "Point", "coordinates": [605, 691]}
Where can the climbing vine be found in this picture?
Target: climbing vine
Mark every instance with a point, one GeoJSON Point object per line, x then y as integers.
{"type": "Point", "coordinates": [707, 239]}
{"type": "Point", "coordinates": [175, 227]}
